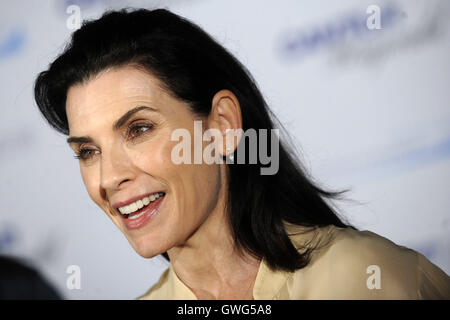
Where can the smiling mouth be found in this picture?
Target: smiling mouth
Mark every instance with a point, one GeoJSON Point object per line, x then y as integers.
{"type": "Point", "coordinates": [141, 206]}
{"type": "Point", "coordinates": [143, 216]}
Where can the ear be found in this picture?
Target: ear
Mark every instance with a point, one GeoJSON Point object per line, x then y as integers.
{"type": "Point", "coordinates": [226, 116]}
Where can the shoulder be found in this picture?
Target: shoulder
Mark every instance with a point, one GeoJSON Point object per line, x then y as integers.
{"type": "Point", "coordinates": [352, 247]}
{"type": "Point", "coordinates": [392, 271]}
{"type": "Point", "coordinates": [349, 246]}
{"type": "Point", "coordinates": [434, 282]}
{"type": "Point", "coordinates": [373, 266]}
{"type": "Point", "coordinates": [159, 290]}
{"type": "Point", "coordinates": [354, 264]}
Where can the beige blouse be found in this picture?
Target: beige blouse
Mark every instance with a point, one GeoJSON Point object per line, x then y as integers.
{"type": "Point", "coordinates": [349, 264]}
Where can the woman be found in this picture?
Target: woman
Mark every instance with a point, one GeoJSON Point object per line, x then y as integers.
{"type": "Point", "coordinates": [121, 89]}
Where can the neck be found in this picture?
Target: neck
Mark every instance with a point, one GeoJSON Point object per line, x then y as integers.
{"type": "Point", "coordinates": [209, 263]}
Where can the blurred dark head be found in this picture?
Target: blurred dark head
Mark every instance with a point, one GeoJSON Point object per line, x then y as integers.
{"type": "Point", "coordinates": [21, 282]}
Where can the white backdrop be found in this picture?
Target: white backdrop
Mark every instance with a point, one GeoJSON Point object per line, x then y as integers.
{"type": "Point", "coordinates": [369, 110]}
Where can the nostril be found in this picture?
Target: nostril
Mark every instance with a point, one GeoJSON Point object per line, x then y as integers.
{"type": "Point", "coordinates": [124, 181]}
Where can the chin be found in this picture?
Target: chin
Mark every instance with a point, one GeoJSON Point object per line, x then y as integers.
{"type": "Point", "coordinates": [146, 248]}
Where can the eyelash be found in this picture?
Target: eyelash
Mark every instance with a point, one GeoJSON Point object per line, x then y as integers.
{"type": "Point", "coordinates": [81, 154]}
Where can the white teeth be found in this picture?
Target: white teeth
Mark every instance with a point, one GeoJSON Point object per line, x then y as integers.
{"type": "Point", "coordinates": [136, 216]}
{"type": "Point", "coordinates": [139, 204]}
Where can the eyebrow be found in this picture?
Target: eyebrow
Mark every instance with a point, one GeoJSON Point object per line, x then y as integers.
{"type": "Point", "coordinates": [116, 126]}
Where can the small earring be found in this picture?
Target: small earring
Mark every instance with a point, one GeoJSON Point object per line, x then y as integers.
{"type": "Point", "coordinates": [231, 156]}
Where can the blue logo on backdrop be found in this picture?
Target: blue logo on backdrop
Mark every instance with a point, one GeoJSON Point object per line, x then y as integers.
{"type": "Point", "coordinates": [8, 236]}
{"type": "Point", "coordinates": [299, 43]}
{"type": "Point", "coordinates": [11, 43]}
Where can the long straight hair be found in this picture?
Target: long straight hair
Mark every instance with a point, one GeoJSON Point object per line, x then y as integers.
{"type": "Point", "coordinates": [193, 67]}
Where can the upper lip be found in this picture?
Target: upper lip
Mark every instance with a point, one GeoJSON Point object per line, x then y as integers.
{"type": "Point", "coordinates": [131, 200]}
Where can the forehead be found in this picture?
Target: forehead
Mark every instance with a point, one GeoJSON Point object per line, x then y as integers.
{"type": "Point", "coordinates": [110, 92]}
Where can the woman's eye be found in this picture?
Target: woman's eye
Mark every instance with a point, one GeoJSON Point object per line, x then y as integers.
{"type": "Point", "coordinates": [85, 154]}
{"type": "Point", "coordinates": [137, 130]}
{"type": "Point", "coordinates": [134, 131]}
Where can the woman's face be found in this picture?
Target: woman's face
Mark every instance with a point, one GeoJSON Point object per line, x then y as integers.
{"type": "Point", "coordinates": [125, 159]}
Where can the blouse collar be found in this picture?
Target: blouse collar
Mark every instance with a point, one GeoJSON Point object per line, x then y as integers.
{"type": "Point", "coordinates": [268, 284]}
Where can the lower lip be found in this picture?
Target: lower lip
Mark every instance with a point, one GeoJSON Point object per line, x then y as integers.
{"type": "Point", "coordinates": [149, 212]}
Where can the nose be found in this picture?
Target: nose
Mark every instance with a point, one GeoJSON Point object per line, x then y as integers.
{"type": "Point", "coordinates": [116, 169]}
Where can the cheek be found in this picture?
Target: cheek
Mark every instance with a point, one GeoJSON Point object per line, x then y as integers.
{"type": "Point", "coordinates": [154, 158]}
{"type": "Point", "coordinates": [192, 184]}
